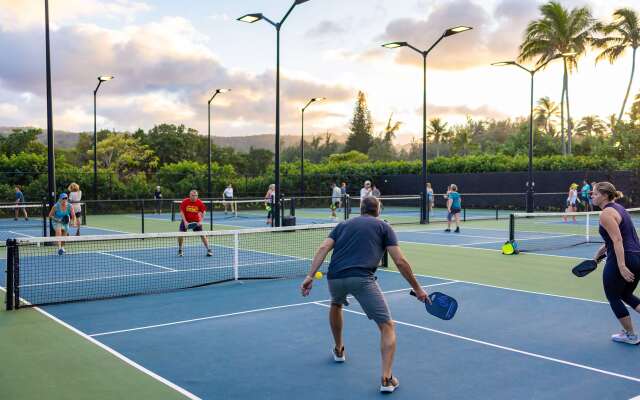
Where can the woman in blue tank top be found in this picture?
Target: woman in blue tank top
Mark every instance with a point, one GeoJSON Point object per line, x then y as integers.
{"type": "Point", "coordinates": [622, 268]}
{"type": "Point", "coordinates": [60, 215]}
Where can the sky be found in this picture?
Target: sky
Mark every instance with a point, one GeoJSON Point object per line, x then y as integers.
{"type": "Point", "coordinates": [168, 57]}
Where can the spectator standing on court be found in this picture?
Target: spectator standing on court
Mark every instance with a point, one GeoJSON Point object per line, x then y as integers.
{"type": "Point", "coordinates": [157, 195]}
{"type": "Point", "coordinates": [343, 188]}
{"type": "Point", "coordinates": [585, 193]}
{"type": "Point", "coordinates": [269, 201]}
{"type": "Point", "coordinates": [375, 192]}
{"type": "Point", "coordinates": [60, 215]}
{"type": "Point", "coordinates": [454, 206]}
{"type": "Point", "coordinates": [622, 269]}
{"type": "Point", "coordinates": [365, 191]}
{"type": "Point", "coordinates": [19, 204]}
{"type": "Point", "coordinates": [358, 245]}
{"type": "Point", "coordinates": [336, 197]}
{"type": "Point", "coordinates": [572, 201]}
{"type": "Point", "coordinates": [429, 197]}
{"type": "Point", "coordinates": [227, 196]}
{"type": "Point", "coordinates": [75, 196]}
{"type": "Point", "coordinates": [192, 211]}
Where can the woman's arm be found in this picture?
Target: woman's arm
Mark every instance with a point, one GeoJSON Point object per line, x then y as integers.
{"type": "Point", "coordinates": [53, 210]}
{"type": "Point", "coordinates": [610, 219]}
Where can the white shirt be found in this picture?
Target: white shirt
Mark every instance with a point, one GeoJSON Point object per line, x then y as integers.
{"type": "Point", "coordinates": [336, 194]}
{"type": "Point", "coordinates": [228, 192]}
{"type": "Point", "coordinates": [364, 192]}
{"type": "Point", "coordinates": [74, 198]}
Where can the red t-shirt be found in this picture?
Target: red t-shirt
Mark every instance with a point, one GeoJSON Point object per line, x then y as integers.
{"type": "Point", "coordinates": [191, 209]}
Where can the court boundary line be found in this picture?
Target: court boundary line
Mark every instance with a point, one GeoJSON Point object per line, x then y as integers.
{"type": "Point", "coordinates": [218, 316]}
{"type": "Point", "coordinates": [135, 261]}
{"type": "Point", "coordinates": [502, 287]}
{"type": "Point", "coordinates": [505, 348]}
{"type": "Point", "coordinates": [115, 353]}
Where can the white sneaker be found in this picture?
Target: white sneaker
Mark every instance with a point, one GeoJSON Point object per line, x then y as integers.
{"type": "Point", "coordinates": [625, 337]}
{"type": "Point", "coordinates": [339, 356]}
{"type": "Point", "coordinates": [389, 384]}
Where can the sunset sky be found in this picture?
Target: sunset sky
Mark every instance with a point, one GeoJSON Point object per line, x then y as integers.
{"type": "Point", "coordinates": [169, 56]}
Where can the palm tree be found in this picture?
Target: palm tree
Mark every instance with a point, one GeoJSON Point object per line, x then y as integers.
{"type": "Point", "coordinates": [437, 131]}
{"type": "Point", "coordinates": [591, 125]}
{"type": "Point", "coordinates": [618, 36]}
{"type": "Point", "coordinates": [546, 113]}
{"type": "Point", "coordinates": [558, 32]}
{"type": "Point", "coordinates": [390, 130]}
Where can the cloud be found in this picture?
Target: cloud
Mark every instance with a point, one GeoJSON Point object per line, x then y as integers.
{"type": "Point", "coordinates": [326, 28]}
{"type": "Point", "coordinates": [164, 72]}
{"type": "Point", "coordinates": [25, 15]}
{"type": "Point", "coordinates": [483, 111]}
{"type": "Point", "coordinates": [495, 36]}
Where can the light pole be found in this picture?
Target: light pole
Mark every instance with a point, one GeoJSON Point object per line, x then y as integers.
{"type": "Point", "coordinates": [51, 163]}
{"type": "Point", "coordinates": [209, 137]}
{"type": "Point", "coordinates": [251, 18]}
{"type": "Point", "coordinates": [95, 136]}
{"type": "Point", "coordinates": [530, 182]}
{"type": "Point", "coordinates": [313, 100]}
{"type": "Point", "coordinates": [393, 45]}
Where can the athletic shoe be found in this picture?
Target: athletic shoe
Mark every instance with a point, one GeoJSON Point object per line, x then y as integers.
{"type": "Point", "coordinates": [26, 219]}
{"type": "Point", "coordinates": [457, 230]}
{"type": "Point", "coordinates": [209, 253]}
{"type": "Point", "coordinates": [625, 337]}
{"type": "Point", "coordinates": [61, 251]}
{"type": "Point", "coordinates": [339, 356]}
{"type": "Point", "coordinates": [447, 230]}
{"type": "Point", "coordinates": [389, 384]}
{"type": "Point", "coordinates": [180, 253]}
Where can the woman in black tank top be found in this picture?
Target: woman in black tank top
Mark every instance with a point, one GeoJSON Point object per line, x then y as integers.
{"type": "Point", "coordinates": [622, 269]}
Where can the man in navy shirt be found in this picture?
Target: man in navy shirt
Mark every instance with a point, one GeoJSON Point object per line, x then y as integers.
{"type": "Point", "coordinates": [358, 245]}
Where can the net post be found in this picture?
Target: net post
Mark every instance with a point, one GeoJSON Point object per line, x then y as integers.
{"type": "Point", "coordinates": [497, 212]}
{"type": "Point", "coordinates": [347, 206]}
{"type": "Point", "coordinates": [587, 228]}
{"type": "Point", "coordinates": [16, 275]}
{"type": "Point", "coordinates": [464, 214]}
{"type": "Point", "coordinates": [44, 217]}
{"type": "Point", "coordinates": [83, 215]}
{"type": "Point", "coordinates": [173, 211]}
{"type": "Point", "coordinates": [292, 207]}
{"type": "Point", "coordinates": [10, 273]}
{"type": "Point", "coordinates": [236, 247]}
{"type": "Point", "coordinates": [211, 214]}
{"type": "Point", "coordinates": [512, 227]}
{"type": "Point", "coordinates": [142, 213]}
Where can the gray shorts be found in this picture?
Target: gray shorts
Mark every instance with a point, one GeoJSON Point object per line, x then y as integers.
{"type": "Point", "coordinates": [366, 290]}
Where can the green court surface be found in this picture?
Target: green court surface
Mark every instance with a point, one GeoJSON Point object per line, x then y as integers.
{"type": "Point", "coordinates": [50, 361]}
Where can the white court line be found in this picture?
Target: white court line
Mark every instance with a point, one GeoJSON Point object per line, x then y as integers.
{"type": "Point", "coordinates": [102, 229]}
{"type": "Point", "coordinates": [136, 261]}
{"type": "Point", "coordinates": [20, 234]}
{"type": "Point", "coordinates": [240, 313]}
{"type": "Point", "coordinates": [506, 348]}
{"type": "Point", "coordinates": [116, 354]}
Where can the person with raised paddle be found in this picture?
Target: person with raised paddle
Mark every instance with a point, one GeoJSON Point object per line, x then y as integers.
{"type": "Point", "coordinates": [358, 245]}
{"type": "Point", "coordinates": [622, 268]}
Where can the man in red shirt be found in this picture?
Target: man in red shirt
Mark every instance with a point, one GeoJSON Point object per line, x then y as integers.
{"type": "Point", "coordinates": [192, 211]}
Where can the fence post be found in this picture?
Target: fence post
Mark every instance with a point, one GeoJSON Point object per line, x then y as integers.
{"type": "Point", "coordinates": [142, 213]}
{"type": "Point", "coordinates": [11, 244]}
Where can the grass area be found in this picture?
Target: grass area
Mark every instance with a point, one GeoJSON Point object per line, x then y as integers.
{"type": "Point", "coordinates": [44, 360]}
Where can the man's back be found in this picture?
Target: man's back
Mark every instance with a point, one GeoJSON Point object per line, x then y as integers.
{"type": "Point", "coordinates": [359, 245]}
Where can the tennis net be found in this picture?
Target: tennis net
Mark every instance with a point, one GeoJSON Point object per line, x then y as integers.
{"type": "Point", "coordinates": [23, 216]}
{"type": "Point", "coordinates": [98, 267]}
{"type": "Point", "coordinates": [553, 231]}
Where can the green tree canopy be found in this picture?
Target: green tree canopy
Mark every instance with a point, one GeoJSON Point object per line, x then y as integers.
{"type": "Point", "coordinates": [361, 129]}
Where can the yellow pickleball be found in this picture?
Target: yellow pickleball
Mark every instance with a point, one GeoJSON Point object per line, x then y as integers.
{"type": "Point", "coordinates": [318, 275]}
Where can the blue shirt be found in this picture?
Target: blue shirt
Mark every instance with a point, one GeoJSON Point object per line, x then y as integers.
{"type": "Point", "coordinates": [585, 191]}
{"type": "Point", "coordinates": [19, 197]}
{"type": "Point", "coordinates": [359, 245]}
{"type": "Point", "coordinates": [630, 240]}
{"type": "Point", "coordinates": [59, 213]}
{"type": "Point", "coordinates": [455, 200]}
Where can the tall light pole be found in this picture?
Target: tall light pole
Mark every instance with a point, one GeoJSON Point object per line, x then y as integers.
{"type": "Point", "coordinates": [251, 18]}
{"type": "Point", "coordinates": [95, 136]}
{"type": "Point", "coordinates": [51, 163]}
{"type": "Point", "coordinates": [209, 137]}
{"type": "Point", "coordinates": [313, 100]}
{"type": "Point", "coordinates": [425, 53]}
{"type": "Point", "coordinates": [530, 182]}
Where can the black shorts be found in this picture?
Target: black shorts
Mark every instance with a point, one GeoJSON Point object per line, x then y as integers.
{"type": "Point", "coordinates": [184, 228]}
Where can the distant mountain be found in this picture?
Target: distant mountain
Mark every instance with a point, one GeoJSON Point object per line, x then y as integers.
{"type": "Point", "coordinates": [66, 140]}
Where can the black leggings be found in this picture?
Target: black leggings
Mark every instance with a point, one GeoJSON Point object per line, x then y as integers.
{"type": "Point", "coordinates": [617, 290]}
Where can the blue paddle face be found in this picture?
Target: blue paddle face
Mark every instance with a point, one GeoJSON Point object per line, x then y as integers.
{"type": "Point", "coordinates": [192, 225]}
{"type": "Point", "coordinates": [442, 306]}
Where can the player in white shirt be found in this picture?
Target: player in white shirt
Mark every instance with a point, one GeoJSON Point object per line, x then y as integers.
{"type": "Point", "coordinates": [336, 199]}
{"type": "Point", "coordinates": [365, 191]}
{"type": "Point", "coordinates": [227, 197]}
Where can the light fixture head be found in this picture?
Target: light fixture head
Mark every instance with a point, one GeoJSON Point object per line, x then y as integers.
{"type": "Point", "coordinates": [456, 29]}
{"type": "Point", "coordinates": [222, 90]}
{"type": "Point", "coordinates": [105, 78]}
{"type": "Point", "coordinates": [300, 1]}
{"type": "Point", "coordinates": [394, 45]}
{"type": "Point", "coordinates": [251, 18]}
{"type": "Point", "coordinates": [318, 98]}
{"type": "Point", "coordinates": [503, 63]}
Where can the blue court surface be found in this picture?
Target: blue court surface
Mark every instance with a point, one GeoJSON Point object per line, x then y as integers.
{"type": "Point", "coordinates": [263, 340]}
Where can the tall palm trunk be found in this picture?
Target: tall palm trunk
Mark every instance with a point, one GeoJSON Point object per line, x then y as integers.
{"type": "Point", "coordinates": [564, 147]}
{"type": "Point", "coordinates": [626, 96]}
{"type": "Point", "coordinates": [566, 92]}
